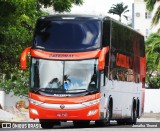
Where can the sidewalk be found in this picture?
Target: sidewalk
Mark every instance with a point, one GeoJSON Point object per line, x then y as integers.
{"type": "Point", "coordinates": [151, 115]}
{"type": "Point", "coordinates": [6, 116]}
{"type": "Point", "coordinates": [12, 114]}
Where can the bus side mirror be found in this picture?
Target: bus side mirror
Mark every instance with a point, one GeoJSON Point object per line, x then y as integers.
{"type": "Point", "coordinates": [102, 58]}
{"type": "Point", "coordinates": [23, 58]}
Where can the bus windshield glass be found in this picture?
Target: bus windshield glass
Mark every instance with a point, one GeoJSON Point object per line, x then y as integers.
{"type": "Point", "coordinates": [67, 35]}
{"type": "Point", "coordinates": [64, 76]}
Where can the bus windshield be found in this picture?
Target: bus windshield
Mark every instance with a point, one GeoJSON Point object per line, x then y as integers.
{"type": "Point", "coordinates": [64, 76]}
{"type": "Point", "coordinates": [67, 35]}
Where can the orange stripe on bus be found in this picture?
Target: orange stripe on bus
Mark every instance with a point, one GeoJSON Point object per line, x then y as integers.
{"type": "Point", "coordinates": [64, 56]}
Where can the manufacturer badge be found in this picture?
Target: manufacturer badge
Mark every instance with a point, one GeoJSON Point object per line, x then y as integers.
{"type": "Point", "coordinates": [62, 106]}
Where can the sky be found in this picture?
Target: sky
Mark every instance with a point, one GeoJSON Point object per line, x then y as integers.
{"type": "Point", "coordinates": [98, 7]}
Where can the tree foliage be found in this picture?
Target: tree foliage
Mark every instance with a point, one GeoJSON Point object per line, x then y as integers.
{"type": "Point", "coordinates": [17, 24]}
{"type": "Point", "coordinates": [150, 4]}
{"type": "Point", "coordinates": [18, 82]}
{"type": "Point", "coordinates": [119, 9]}
{"type": "Point", "coordinates": [153, 60]}
{"type": "Point", "coordinates": [59, 5]}
{"type": "Point", "coordinates": [17, 21]}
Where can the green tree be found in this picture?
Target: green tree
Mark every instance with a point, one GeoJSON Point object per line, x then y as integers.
{"type": "Point", "coordinates": [17, 21]}
{"type": "Point", "coordinates": [153, 47]}
{"type": "Point", "coordinates": [59, 5]}
{"type": "Point", "coordinates": [153, 60]}
{"type": "Point", "coordinates": [119, 9]}
{"type": "Point", "coordinates": [150, 6]}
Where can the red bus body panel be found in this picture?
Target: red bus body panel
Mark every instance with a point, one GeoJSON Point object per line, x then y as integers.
{"type": "Point", "coordinates": [72, 114]}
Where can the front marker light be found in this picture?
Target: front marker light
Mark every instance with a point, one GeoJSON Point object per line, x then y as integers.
{"type": "Point", "coordinates": [34, 111]}
{"type": "Point", "coordinates": [92, 112]}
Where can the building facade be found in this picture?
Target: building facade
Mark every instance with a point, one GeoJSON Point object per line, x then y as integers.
{"type": "Point", "coordinates": [141, 18]}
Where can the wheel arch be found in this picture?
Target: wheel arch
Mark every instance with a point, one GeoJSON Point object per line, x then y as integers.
{"type": "Point", "coordinates": [138, 107]}
{"type": "Point", "coordinates": [110, 103]}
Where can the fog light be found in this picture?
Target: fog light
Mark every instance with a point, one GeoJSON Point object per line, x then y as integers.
{"type": "Point", "coordinates": [34, 111]}
{"type": "Point", "coordinates": [92, 112]}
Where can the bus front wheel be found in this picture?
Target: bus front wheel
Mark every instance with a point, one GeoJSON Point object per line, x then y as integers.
{"type": "Point", "coordinates": [48, 124]}
{"type": "Point", "coordinates": [81, 123]}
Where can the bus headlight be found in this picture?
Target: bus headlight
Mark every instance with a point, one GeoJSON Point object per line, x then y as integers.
{"type": "Point", "coordinates": [92, 112]}
{"type": "Point", "coordinates": [34, 111]}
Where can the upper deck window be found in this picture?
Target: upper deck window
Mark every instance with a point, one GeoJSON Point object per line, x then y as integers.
{"type": "Point", "coordinates": [68, 35]}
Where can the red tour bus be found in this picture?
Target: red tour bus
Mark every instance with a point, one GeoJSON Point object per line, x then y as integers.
{"type": "Point", "coordinates": [85, 68]}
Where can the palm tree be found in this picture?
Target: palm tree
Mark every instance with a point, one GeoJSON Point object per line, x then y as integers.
{"type": "Point", "coordinates": [153, 60]}
{"type": "Point", "coordinates": [150, 6]}
{"type": "Point", "coordinates": [153, 47]}
{"type": "Point", "coordinates": [119, 9]}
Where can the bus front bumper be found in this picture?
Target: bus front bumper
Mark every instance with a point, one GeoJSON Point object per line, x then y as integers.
{"type": "Point", "coordinates": [91, 112]}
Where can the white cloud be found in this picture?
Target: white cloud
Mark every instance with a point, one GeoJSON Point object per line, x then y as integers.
{"type": "Point", "coordinates": [98, 7]}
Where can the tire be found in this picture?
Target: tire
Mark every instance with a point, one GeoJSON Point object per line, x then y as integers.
{"type": "Point", "coordinates": [122, 121]}
{"type": "Point", "coordinates": [133, 118]}
{"type": "Point", "coordinates": [48, 124]}
{"type": "Point", "coordinates": [100, 123]}
{"type": "Point", "coordinates": [81, 123]}
{"type": "Point", "coordinates": [106, 121]}
{"type": "Point", "coordinates": [138, 109]}
{"type": "Point", "coordinates": [108, 114]}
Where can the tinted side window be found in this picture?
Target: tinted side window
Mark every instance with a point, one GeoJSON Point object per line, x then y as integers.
{"type": "Point", "coordinates": [106, 33]}
{"type": "Point", "coordinates": [122, 38]}
{"type": "Point", "coordinates": [142, 47]}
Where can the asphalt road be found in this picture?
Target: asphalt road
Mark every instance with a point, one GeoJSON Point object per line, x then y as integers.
{"type": "Point", "coordinates": [143, 123]}
{"type": "Point", "coordinates": [149, 124]}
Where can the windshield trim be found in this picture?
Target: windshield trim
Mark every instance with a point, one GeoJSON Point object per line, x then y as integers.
{"type": "Point", "coordinates": [65, 51]}
{"type": "Point", "coordinates": [63, 91]}
{"type": "Point", "coordinates": [41, 54]}
{"type": "Point", "coordinates": [73, 94]}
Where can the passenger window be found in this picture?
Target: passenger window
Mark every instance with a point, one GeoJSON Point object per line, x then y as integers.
{"type": "Point", "coordinates": [122, 74]}
{"type": "Point", "coordinates": [130, 75]}
{"type": "Point", "coordinates": [113, 74]}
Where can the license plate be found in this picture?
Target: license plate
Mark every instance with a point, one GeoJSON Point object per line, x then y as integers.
{"type": "Point", "coordinates": [62, 114]}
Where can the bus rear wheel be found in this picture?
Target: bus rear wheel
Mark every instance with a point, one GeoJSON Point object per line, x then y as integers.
{"type": "Point", "coordinates": [48, 124]}
{"type": "Point", "coordinates": [81, 123]}
{"type": "Point", "coordinates": [123, 121]}
{"type": "Point", "coordinates": [133, 118]}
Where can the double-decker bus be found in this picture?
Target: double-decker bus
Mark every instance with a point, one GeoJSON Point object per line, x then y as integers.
{"type": "Point", "coordinates": [85, 68]}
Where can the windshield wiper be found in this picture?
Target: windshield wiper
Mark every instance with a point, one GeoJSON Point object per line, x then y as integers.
{"type": "Point", "coordinates": [89, 91]}
{"type": "Point", "coordinates": [39, 89]}
{"type": "Point", "coordinates": [47, 89]}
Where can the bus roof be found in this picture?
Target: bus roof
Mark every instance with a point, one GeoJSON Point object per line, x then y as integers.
{"type": "Point", "coordinates": [63, 17]}
{"type": "Point", "coordinates": [83, 17]}
{"type": "Point", "coordinates": [122, 24]}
